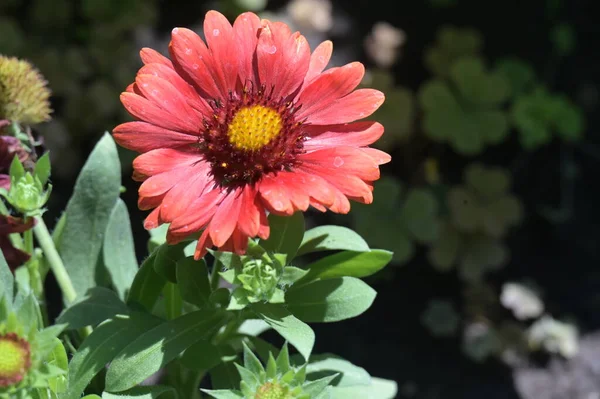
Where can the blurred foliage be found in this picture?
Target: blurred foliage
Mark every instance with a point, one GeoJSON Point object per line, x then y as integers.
{"type": "Point", "coordinates": [451, 44]}
{"type": "Point", "coordinates": [398, 219]}
{"type": "Point", "coordinates": [466, 111]}
{"type": "Point", "coordinates": [441, 318]}
{"type": "Point", "coordinates": [480, 212]}
{"type": "Point", "coordinates": [75, 45]}
{"type": "Point", "coordinates": [539, 115]}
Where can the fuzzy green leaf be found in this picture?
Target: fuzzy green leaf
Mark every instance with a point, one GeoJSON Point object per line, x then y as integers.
{"type": "Point", "coordinates": [87, 214]}
{"type": "Point", "coordinates": [193, 281]}
{"type": "Point", "coordinates": [330, 300]}
{"type": "Point", "coordinates": [347, 263]}
{"type": "Point", "coordinates": [331, 238]}
{"type": "Point", "coordinates": [144, 392]}
{"type": "Point", "coordinates": [7, 281]}
{"type": "Point", "coordinates": [118, 251]}
{"type": "Point", "coordinates": [286, 234]}
{"type": "Point", "coordinates": [288, 326]}
{"type": "Point", "coordinates": [379, 389]}
{"type": "Point", "coordinates": [96, 306]}
{"type": "Point", "coordinates": [42, 168]}
{"type": "Point", "coordinates": [166, 260]}
{"type": "Point", "coordinates": [152, 350]}
{"type": "Point", "coordinates": [147, 285]}
{"type": "Point", "coordinates": [100, 348]}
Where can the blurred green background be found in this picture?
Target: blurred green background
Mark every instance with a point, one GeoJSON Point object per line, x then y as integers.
{"type": "Point", "coordinates": [489, 203]}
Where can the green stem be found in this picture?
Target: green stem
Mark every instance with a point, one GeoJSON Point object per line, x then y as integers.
{"type": "Point", "coordinates": [56, 264]}
{"type": "Point", "coordinates": [35, 280]}
{"type": "Point", "coordinates": [215, 277]}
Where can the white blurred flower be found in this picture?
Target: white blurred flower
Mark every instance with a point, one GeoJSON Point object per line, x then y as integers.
{"type": "Point", "coordinates": [523, 301]}
{"type": "Point", "coordinates": [311, 14]}
{"type": "Point", "coordinates": [554, 336]}
{"type": "Point", "coordinates": [383, 44]}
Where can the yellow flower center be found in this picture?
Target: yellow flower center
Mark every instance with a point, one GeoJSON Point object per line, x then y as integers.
{"type": "Point", "coordinates": [270, 390]}
{"type": "Point", "coordinates": [14, 361]}
{"type": "Point", "coordinates": [254, 127]}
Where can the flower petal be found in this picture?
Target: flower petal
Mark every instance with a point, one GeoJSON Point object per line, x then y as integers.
{"type": "Point", "coordinates": [193, 61]}
{"type": "Point", "coordinates": [246, 28]}
{"type": "Point", "coordinates": [378, 156]}
{"type": "Point", "coordinates": [249, 220]}
{"type": "Point", "coordinates": [328, 87]}
{"type": "Point", "coordinates": [151, 56]}
{"type": "Point", "coordinates": [223, 222]}
{"type": "Point", "coordinates": [275, 197]}
{"type": "Point", "coordinates": [223, 46]}
{"type": "Point", "coordinates": [318, 60]}
{"type": "Point", "coordinates": [143, 137]}
{"type": "Point", "coordinates": [186, 89]}
{"type": "Point", "coordinates": [148, 111]}
{"type": "Point", "coordinates": [356, 105]}
{"type": "Point", "coordinates": [166, 96]}
{"type": "Point", "coordinates": [356, 134]}
{"type": "Point", "coordinates": [282, 59]}
{"type": "Point", "coordinates": [163, 159]}
{"type": "Point", "coordinates": [187, 188]}
{"type": "Point", "coordinates": [342, 160]}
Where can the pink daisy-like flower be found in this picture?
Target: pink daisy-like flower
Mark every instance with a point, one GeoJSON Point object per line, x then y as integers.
{"type": "Point", "coordinates": [248, 123]}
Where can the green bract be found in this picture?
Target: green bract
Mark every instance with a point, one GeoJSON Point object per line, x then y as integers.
{"type": "Point", "coordinates": [27, 193]}
{"type": "Point", "coordinates": [452, 44]}
{"type": "Point", "coordinates": [398, 218]}
{"type": "Point", "coordinates": [42, 370]}
{"type": "Point", "coordinates": [466, 111]}
{"type": "Point", "coordinates": [278, 380]}
{"type": "Point", "coordinates": [539, 115]}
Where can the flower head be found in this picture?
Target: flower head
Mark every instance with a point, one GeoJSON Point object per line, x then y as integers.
{"type": "Point", "coordinates": [15, 360]}
{"type": "Point", "coordinates": [245, 124]}
{"type": "Point", "coordinates": [24, 96]}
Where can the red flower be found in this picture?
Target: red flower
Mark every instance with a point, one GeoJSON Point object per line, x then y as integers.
{"type": "Point", "coordinates": [245, 124]}
{"type": "Point", "coordinates": [14, 256]}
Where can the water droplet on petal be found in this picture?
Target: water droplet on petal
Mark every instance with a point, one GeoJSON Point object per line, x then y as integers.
{"type": "Point", "coordinates": [271, 50]}
{"type": "Point", "coordinates": [188, 51]}
{"type": "Point", "coordinates": [337, 162]}
{"type": "Point", "coordinates": [195, 66]}
{"type": "Point", "coordinates": [216, 32]}
{"type": "Point", "coordinates": [278, 205]}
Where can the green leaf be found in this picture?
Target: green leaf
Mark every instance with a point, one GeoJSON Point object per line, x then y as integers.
{"type": "Point", "coordinates": [224, 376]}
{"type": "Point", "coordinates": [286, 234]}
{"type": "Point", "coordinates": [347, 263]}
{"type": "Point", "coordinates": [317, 386]}
{"type": "Point", "coordinates": [100, 348]}
{"type": "Point", "coordinates": [88, 212]}
{"type": "Point", "coordinates": [158, 236]}
{"type": "Point", "coordinates": [119, 252]}
{"type": "Point", "coordinates": [173, 301]}
{"type": "Point", "coordinates": [330, 300]}
{"type": "Point", "coordinates": [204, 355]}
{"type": "Point", "coordinates": [7, 281]}
{"type": "Point", "coordinates": [96, 306]}
{"type": "Point", "coordinates": [193, 281]}
{"type": "Point", "coordinates": [92, 396]}
{"type": "Point", "coordinates": [144, 392]}
{"type": "Point", "coordinates": [223, 394]}
{"type": "Point", "coordinates": [328, 364]}
{"type": "Point", "coordinates": [158, 346]}
{"type": "Point", "coordinates": [253, 327]}
{"type": "Point", "coordinates": [166, 260]}
{"type": "Point", "coordinates": [331, 238]}
{"type": "Point", "coordinates": [291, 274]}
{"type": "Point", "coordinates": [147, 285]}
{"type": "Point", "coordinates": [17, 171]}
{"type": "Point", "coordinates": [297, 333]}
{"type": "Point", "coordinates": [42, 168]}
{"type": "Point", "coordinates": [58, 358]}
{"type": "Point", "coordinates": [379, 389]}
